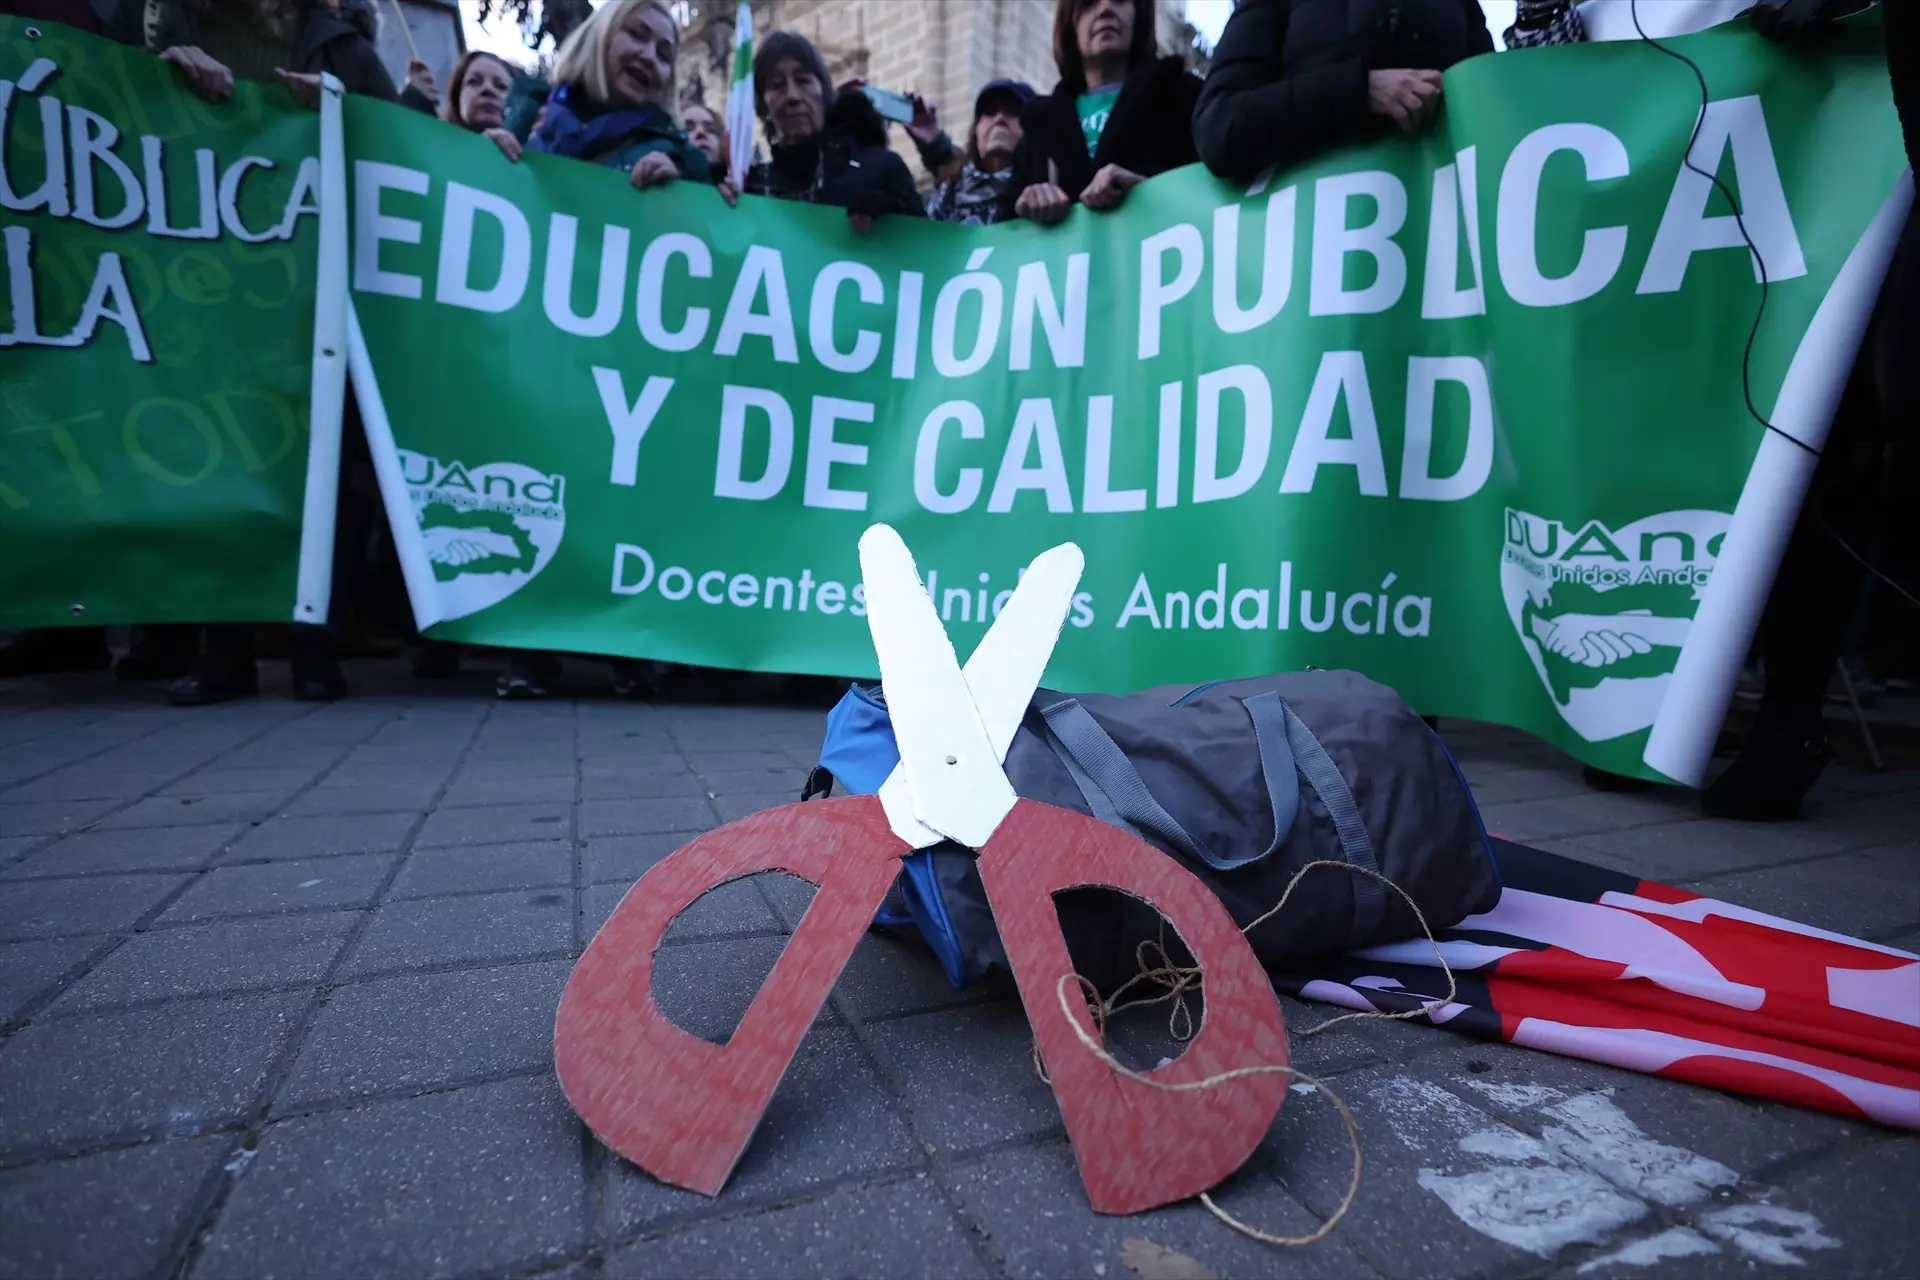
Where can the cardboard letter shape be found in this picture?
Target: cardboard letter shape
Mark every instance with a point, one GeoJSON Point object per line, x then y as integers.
{"type": "Point", "coordinates": [680, 1107]}
{"type": "Point", "coordinates": [1138, 1147]}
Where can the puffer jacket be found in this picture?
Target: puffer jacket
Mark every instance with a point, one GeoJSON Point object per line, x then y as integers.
{"type": "Point", "coordinates": [1289, 77]}
{"type": "Point", "coordinates": [848, 165]}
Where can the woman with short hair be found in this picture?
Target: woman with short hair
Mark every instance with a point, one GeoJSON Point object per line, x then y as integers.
{"type": "Point", "coordinates": [826, 149]}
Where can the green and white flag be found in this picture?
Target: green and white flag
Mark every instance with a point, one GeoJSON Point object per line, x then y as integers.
{"type": "Point", "coordinates": [740, 98]}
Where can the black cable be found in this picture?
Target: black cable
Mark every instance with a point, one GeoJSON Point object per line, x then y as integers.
{"type": "Point", "coordinates": [1867, 564]}
{"type": "Point", "coordinates": [1739, 221]}
{"type": "Point", "coordinates": [1819, 506]}
{"type": "Point", "coordinates": [1753, 333]}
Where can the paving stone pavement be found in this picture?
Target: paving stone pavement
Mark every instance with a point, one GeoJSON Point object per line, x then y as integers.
{"type": "Point", "coordinates": [277, 985]}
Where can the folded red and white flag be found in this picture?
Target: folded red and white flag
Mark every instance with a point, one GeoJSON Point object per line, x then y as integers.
{"type": "Point", "coordinates": [1594, 964]}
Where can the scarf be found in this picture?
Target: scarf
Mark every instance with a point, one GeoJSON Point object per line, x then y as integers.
{"type": "Point", "coordinates": [972, 198]}
{"type": "Point", "coordinates": [565, 133]}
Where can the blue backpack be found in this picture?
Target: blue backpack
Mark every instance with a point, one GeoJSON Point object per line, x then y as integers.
{"type": "Point", "coordinates": [1242, 782]}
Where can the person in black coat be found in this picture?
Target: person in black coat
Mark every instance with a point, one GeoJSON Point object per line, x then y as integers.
{"type": "Point", "coordinates": [1292, 78]}
{"type": "Point", "coordinates": [1119, 115]}
{"type": "Point", "coordinates": [215, 42]}
{"type": "Point", "coordinates": [825, 150]}
{"type": "Point", "coordinates": [1864, 501]}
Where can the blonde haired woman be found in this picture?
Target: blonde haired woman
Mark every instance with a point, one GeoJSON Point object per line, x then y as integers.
{"type": "Point", "coordinates": [611, 106]}
{"type": "Point", "coordinates": [613, 103]}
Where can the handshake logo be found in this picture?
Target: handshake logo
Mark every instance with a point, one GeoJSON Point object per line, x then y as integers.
{"type": "Point", "coordinates": [1602, 612]}
{"type": "Point", "coordinates": [488, 530]}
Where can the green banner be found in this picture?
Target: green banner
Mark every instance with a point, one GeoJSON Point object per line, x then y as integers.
{"type": "Point", "coordinates": [1463, 412]}
{"type": "Point", "coordinates": [156, 332]}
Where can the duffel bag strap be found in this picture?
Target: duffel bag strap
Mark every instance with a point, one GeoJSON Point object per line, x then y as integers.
{"type": "Point", "coordinates": [1277, 763]}
{"type": "Point", "coordinates": [1095, 796]}
{"type": "Point", "coordinates": [1118, 796]}
{"type": "Point", "coordinates": [1323, 775]}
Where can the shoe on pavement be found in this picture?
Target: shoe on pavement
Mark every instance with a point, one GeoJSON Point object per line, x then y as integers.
{"type": "Point", "coordinates": [1770, 777]}
{"type": "Point", "coordinates": [527, 677]}
{"type": "Point", "coordinates": [634, 678]}
{"type": "Point", "coordinates": [316, 676]}
{"type": "Point", "coordinates": [162, 652]}
{"type": "Point", "coordinates": [214, 682]}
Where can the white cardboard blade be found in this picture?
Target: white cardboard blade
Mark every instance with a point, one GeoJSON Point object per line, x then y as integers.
{"type": "Point", "coordinates": [1002, 673]}
{"type": "Point", "coordinates": [1007, 664]}
{"type": "Point", "coordinates": [952, 774]}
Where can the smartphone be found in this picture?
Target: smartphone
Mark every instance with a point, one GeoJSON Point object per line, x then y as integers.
{"type": "Point", "coordinates": [891, 106]}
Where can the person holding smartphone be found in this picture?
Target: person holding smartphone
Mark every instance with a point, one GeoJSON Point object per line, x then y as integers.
{"type": "Point", "coordinates": [828, 148]}
{"type": "Point", "coordinates": [921, 120]}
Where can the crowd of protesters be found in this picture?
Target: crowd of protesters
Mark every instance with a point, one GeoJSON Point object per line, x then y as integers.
{"type": "Point", "coordinates": [1288, 79]}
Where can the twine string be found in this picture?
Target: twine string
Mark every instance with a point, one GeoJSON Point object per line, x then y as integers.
{"type": "Point", "coordinates": [1176, 980]}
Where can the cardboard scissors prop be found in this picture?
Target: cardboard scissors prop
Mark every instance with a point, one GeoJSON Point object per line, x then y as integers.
{"type": "Point", "coordinates": [684, 1109]}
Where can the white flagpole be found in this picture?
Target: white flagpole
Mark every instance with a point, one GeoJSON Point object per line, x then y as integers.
{"type": "Point", "coordinates": [1688, 724]}
{"type": "Point", "coordinates": [327, 390]}
{"type": "Point", "coordinates": [740, 99]}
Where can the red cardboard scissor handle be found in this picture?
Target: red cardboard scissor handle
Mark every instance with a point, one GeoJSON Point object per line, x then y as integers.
{"type": "Point", "coordinates": [1138, 1147]}
{"type": "Point", "coordinates": [680, 1107]}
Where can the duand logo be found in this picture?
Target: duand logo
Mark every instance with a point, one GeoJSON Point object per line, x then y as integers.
{"type": "Point", "coordinates": [1603, 612]}
{"type": "Point", "coordinates": [488, 530]}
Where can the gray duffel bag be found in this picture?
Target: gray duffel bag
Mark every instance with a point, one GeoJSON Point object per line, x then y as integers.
{"type": "Point", "coordinates": [1243, 782]}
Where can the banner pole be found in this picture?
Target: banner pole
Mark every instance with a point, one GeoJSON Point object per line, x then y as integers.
{"type": "Point", "coordinates": [406, 29]}
{"type": "Point", "coordinates": [412, 552]}
{"type": "Point", "coordinates": [1688, 724]}
{"type": "Point", "coordinates": [327, 393]}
